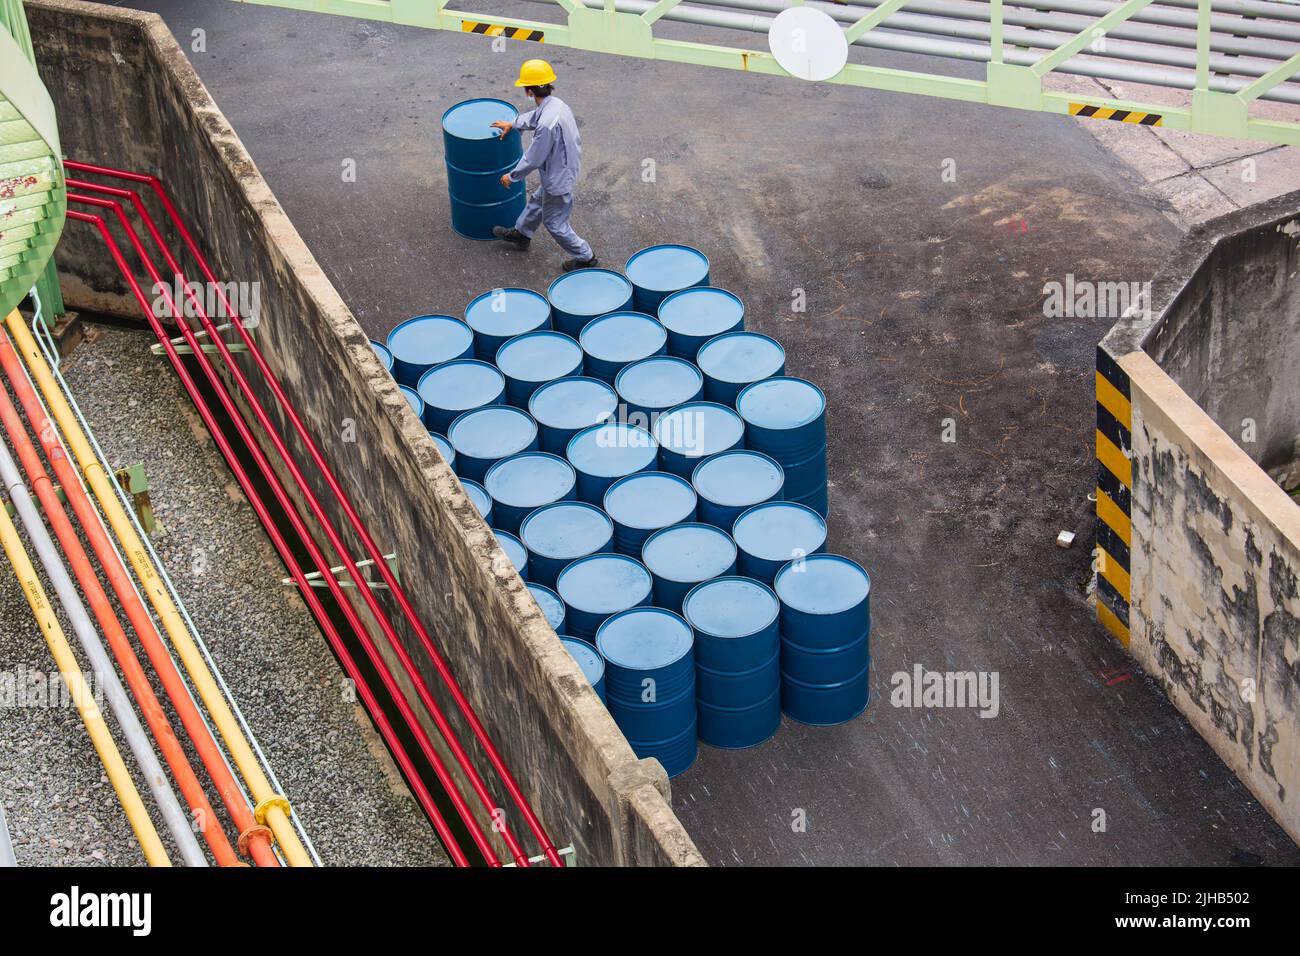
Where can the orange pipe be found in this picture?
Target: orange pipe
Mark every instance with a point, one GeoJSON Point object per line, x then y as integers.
{"type": "Point", "coordinates": [259, 845]}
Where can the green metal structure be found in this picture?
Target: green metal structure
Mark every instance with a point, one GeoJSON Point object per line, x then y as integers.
{"type": "Point", "coordinates": [605, 29]}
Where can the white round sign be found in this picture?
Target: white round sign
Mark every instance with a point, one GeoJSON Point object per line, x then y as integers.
{"type": "Point", "coordinates": [808, 43]}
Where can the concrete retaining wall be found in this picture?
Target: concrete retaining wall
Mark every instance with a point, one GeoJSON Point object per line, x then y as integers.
{"type": "Point", "coordinates": [128, 97]}
{"type": "Point", "coordinates": [1198, 549]}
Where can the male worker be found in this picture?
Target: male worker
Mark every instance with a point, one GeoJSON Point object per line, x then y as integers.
{"type": "Point", "coordinates": [556, 153]}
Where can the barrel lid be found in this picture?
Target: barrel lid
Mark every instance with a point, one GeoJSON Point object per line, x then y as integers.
{"type": "Point", "coordinates": [667, 268]}
{"type": "Point", "coordinates": [731, 607]}
{"type": "Point", "coordinates": [514, 549]}
{"type": "Point", "coordinates": [588, 658]}
{"type": "Point", "coordinates": [823, 584]}
{"type": "Point", "coordinates": [775, 530]}
{"type": "Point", "coordinates": [566, 529]}
{"type": "Point", "coordinates": [539, 356]}
{"type": "Point", "coordinates": [701, 311]}
{"type": "Point", "coordinates": [381, 351]}
{"type": "Point", "coordinates": [430, 339]}
{"type": "Point", "coordinates": [530, 480]}
{"type": "Point", "coordinates": [611, 450]}
{"type": "Point", "coordinates": [699, 429]}
{"type": "Point", "coordinates": [444, 446]}
{"type": "Point", "coordinates": [604, 583]}
{"type": "Point", "coordinates": [573, 402]}
{"type": "Point", "coordinates": [413, 398]}
{"type": "Point", "coordinates": [740, 357]}
{"type": "Point", "coordinates": [477, 494]}
{"type": "Point", "coordinates": [781, 402]}
{"type": "Point", "coordinates": [473, 119]}
{"type": "Point", "coordinates": [659, 382]}
{"type": "Point", "coordinates": [462, 384]}
{"type": "Point", "coordinates": [738, 477]}
{"type": "Point", "coordinates": [505, 313]}
{"type": "Point", "coordinates": [590, 292]}
{"type": "Point", "coordinates": [623, 337]}
{"type": "Point", "coordinates": [650, 499]}
{"type": "Point", "coordinates": [551, 606]}
{"type": "Point", "coordinates": [645, 638]}
{"type": "Point", "coordinates": [689, 552]}
{"type": "Point", "coordinates": [491, 432]}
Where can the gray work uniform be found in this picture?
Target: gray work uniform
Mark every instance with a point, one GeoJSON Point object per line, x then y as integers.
{"type": "Point", "coordinates": [556, 154]}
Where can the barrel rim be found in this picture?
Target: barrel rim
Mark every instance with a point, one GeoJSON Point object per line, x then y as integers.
{"type": "Point", "coordinates": [494, 409]}
{"type": "Point", "coordinates": [441, 440]}
{"type": "Point", "coordinates": [708, 266]}
{"type": "Point", "coordinates": [702, 290]}
{"type": "Point", "coordinates": [570, 378]}
{"type": "Point", "coordinates": [442, 120]}
{"type": "Point", "coordinates": [509, 288]}
{"type": "Point", "coordinates": [375, 346]}
{"type": "Point", "coordinates": [735, 548]}
{"type": "Point", "coordinates": [604, 500]}
{"type": "Point", "coordinates": [669, 359]}
{"type": "Point", "coordinates": [732, 334]}
{"type": "Point", "coordinates": [644, 609]}
{"type": "Point", "coordinates": [782, 503]}
{"type": "Point", "coordinates": [495, 467]}
{"type": "Point", "coordinates": [600, 659]}
{"type": "Point", "coordinates": [820, 558]}
{"type": "Point", "coordinates": [695, 403]}
{"type": "Point", "coordinates": [561, 504]}
{"type": "Point", "coordinates": [538, 333]}
{"type": "Point", "coordinates": [618, 314]}
{"type": "Point", "coordinates": [586, 272]}
{"type": "Point", "coordinates": [471, 486]}
{"type": "Point", "coordinates": [513, 539]}
{"type": "Point", "coordinates": [750, 452]}
{"type": "Point", "coordinates": [461, 361]}
{"type": "Point", "coordinates": [406, 391]}
{"type": "Point", "coordinates": [592, 557]}
{"type": "Point", "coordinates": [776, 601]}
{"type": "Point", "coordinates": [568, 447]}
{"type": "Point", "coordinates": [781, 378]}
{"type": "Point", "coordinates": [536, 586]}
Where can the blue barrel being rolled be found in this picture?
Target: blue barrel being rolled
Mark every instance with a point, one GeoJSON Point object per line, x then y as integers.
{"type": "Point", "coordinates": [549, 603]}
{"type": "Point", "coordinates": [522, 483]}
{"type": "Point", "coordinates": [580, 296]}
{"type": "Point", "coordinates": [643, 503]}
{"type": "Point", "coordinates": [530, 360]}
{"type": "Point", "coordinates": [515, 551]}
{"type": "Point", "coordinates": [498, 316]}
{"type": "Point", "coordinates": [452, 388]}
{"type": "Point", "coordinates": [659, 271]}
{"type": "Point", "coordinates": [786, 418]}
{"type": "Point", "coordinates": [602, 454]}
{"type": "Point", "coordinates": [484, 436]}
{"type": "Point", "coordinates": [589, 662]}
{"type": "Point", "coordinates": [477, 156]}
{"type": "Point", "coordinates": [599, 586]}
{"type": "Point", "coordinates": [651, 386]}
{"type": "Point", "coordinates": [479, 497]}
{"type": "Point", "coordinates": [825, 639]}
{"type": "Point", "coordinates": [771, 534]}
{"type": "Point", "coordinates": [650, 683]}
{"type": "Point", "coordinates": [693, 316]}
{"type": "Point", "coordinates": [559, 534]}
{"type": "Point", "coordinates": [614, 341]}
{"type": "Point", "coordinates": [426, 341]}
{"type": "Point", "coordinates": [692, 432]}
{"type": "Point", "coordinates": [683, 556]}
{"type": "Point", "coordinates": [732, 361]}
{"type": "Point", "coordinates": [730, 483]}
{"type": "Point", "coordinates": [737, 661]}
{"type": "Point", "coordinates": [568, 405]}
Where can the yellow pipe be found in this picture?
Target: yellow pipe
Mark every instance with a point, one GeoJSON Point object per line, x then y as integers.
{"type": "Point", "coordinates": [272, 808]}
{"type": "Point", "coordinates": [109, 755]}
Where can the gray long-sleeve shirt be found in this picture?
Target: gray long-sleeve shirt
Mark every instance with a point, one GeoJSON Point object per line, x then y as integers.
{"type": "Point", "coordinates": [556, 149]}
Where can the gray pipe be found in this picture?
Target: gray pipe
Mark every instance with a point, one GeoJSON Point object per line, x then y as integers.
{"type": "Point", "coordinates": [120, 704]}
{"type": "Point", "coordinates": [1186, 19]}
{"type": "Point", "coordinates": [7, 857]}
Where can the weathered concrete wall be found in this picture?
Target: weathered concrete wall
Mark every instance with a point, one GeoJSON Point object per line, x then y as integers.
{"type": "Point", "coordinates": [127, 97]}
{"type": "Point", "coordinates": [1200, 556]}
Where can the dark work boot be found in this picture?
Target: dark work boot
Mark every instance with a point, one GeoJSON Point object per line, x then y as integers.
{"type": "Point", "coordinates": [512, 236]}
{"type": "Point", "coordinates": [571, 265]}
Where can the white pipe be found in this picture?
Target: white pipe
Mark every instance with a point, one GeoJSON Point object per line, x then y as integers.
{"type": "Point", "coordinates": [178, 823]}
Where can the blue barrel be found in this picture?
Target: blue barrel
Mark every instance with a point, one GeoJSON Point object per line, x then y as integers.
{"type": "Point", "coordinates": [560, 533]}
{"type": "Point", "coordinates": [534, 358]}
{"type": "Point", "coordinates": [650, 683]}
{"type": "Point", "coordinates": [456, 387]}
{"type": "Point", "coordinates": [568, 405]}
{"type": "Point", "coordinates": [685, 555]}
{"type": "Point", "coordinates": [825, 633]}
{"type": "Point", "coordinates": [654, 385]}
{"type": "Point", "coordinates": [737, 660]}
{"type": "Point", "coordinates": [773, 534]}
{"type": "Point", "coordinates": [580, 296]}
{"type": "Point", "coordinates": [589, 662]}
{"type": "Point", "coordinates": [477, 157]}
{"type": "Point", "coordinates": [549, 603]}
{"type": "Point", "coordinates": [692, 432]}
{"type": "Point", "coordinates": [515, 551]}
{"type": "Point", "coordinates": [602, 454]}
{"type": "Point", "coordinates": [484, 436]}
{"type": "Point", "coordinates": [523, 483]}
{"type": "Point", "coordinates": [481, 499]}
{"type": "Point", "coordinates": [614, 341]}
{"type": "Point", "coordinates": [732, 482]}
{"type": "Point", "coordinates": [598, 586]}
{"type": "Point", "coordinates": [659, 271]}
{"type": "Point", "coordinates": [786, 418]}
{"type": "Point", "coordinates": [425, 341]}
{"type": "Point", "coordinates": [444, 448]}
{"type": "Point", "coordinates": [385, 357]}
{"type": "Point", "coordinates": [693, 316]}
{"type": "Point", "coordinates": [732, 361]}
{"type": "Point", "coordinates": [500, 315]}
{"type": "Point", "coordinates": [413, 399]}
{"type": "Point", "coordinates": [643, 503]}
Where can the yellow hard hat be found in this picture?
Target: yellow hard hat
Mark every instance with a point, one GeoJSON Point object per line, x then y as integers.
{"type": "Point", "coordinates": [535, 73]}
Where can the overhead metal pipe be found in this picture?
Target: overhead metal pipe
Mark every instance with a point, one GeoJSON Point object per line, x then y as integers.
{"type": "Point", "coordinates": [1245, 8]}
{"type": "Point", "coordinates": [1159, 14]}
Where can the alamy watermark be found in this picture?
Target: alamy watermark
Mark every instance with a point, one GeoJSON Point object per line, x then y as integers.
{"type": "Point", "coordinates": [977, 690]}
{"type": "Point", "coordinates": [25, 688]}
{"type": "Point", "coordinates": [215, 299]}
{"type": "Point", "coordinates": [1082, 299]}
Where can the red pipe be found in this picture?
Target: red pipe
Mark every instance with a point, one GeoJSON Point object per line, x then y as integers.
{"type": "Point", "coordinates": [372, 548]}
{"type": "Point", "coordinates": [277, 539]}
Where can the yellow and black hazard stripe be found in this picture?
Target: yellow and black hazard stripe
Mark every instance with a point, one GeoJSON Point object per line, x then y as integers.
{"type": "Point", "coordinates": [1136, 117]}
{"type": "Point", "coordinates": [497, 30]}
{"type": "Point", "coordinates": [1114, 495]}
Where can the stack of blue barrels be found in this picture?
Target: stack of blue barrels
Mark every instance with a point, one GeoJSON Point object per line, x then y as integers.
{"type": "Point", "coordinates": [660, 483]}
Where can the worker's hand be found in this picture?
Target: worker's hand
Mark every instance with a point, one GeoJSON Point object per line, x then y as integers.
{"type": "Point", "coordinates": [506, 181]}
{"type": "Point", "coordinates": [503, 126]}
